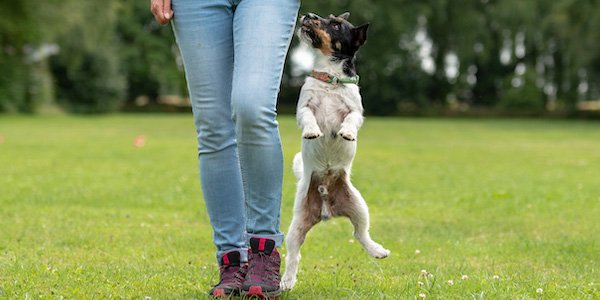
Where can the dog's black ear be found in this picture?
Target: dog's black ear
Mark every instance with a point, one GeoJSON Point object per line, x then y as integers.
{"type": "Point", "coordinates": [360, 34]}
{"type": "Point", "coordinates": [344, 15]}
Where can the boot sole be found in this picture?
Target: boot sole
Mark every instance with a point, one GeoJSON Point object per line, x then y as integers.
{"type": "Point", "coordinates": [222, 293]}
{"type": "Point", "coordinates": [256, 291]}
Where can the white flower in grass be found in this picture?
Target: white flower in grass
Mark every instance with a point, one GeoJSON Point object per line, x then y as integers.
{"type": "Point", "coordinates": [148, 298]}
{"type": "Point", "coordinates": [419, 283]}
{"type": "Point", "coordinates": [465, 277]}
{"type": "Point", "coordinates": [351, 241]}
{"type": "Point", "coordinates": [423, 272]}
{"type": "Point", "coordinates": [417, 252]}
{"type": "Point", "coordinates": [539, 291]}
{"type": "Point", "coordinates": [422, 296]}
{"type": "Point", "coordinates": [496, 277]}
{"type": "Point", "coordinates": [429, 275]}
{"type": "Point", "coordinates": [450, 282]}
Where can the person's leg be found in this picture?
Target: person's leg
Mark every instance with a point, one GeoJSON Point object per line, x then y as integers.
{"type": "Point", "coordinates": [262, 33]}
{"type": "Point", "coordinates": [204, 33]}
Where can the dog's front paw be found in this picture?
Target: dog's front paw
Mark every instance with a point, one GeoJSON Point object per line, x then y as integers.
{"type": "Point", "coordinates": [288, 282]}
{"type": "Point", "coordinates": [311, 134]}
{"type": "Point", "coordinates": [348, 135]}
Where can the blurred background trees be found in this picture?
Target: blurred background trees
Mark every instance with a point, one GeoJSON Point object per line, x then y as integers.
{"type": "Point", "coordinates": [527, 57]}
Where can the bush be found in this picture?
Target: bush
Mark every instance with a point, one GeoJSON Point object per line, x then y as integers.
{"type": "Point", "coordinates": [13, 83]}
{"type": "Point", "coordinates": [94, 85]}
{"type": "Point", "coordinates": [521, 95]}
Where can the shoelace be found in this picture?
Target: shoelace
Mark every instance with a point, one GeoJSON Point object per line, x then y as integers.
{"type": "Point", "coordinates": [243, 271]}
{"type": "Point", "coordinates": [224, 277]}
{"type": "Point", "coordinates": [267, 272]}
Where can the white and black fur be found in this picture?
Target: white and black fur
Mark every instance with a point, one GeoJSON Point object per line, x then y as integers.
{"type": "Point", "coordinates": [330, 116]}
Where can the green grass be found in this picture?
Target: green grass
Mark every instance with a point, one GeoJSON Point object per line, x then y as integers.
{"type": "Point", "coordinates": [86, 215]}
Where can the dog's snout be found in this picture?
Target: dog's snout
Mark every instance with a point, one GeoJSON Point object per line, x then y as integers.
{"type": "Point", "coordinates": [310, 16]}
{"type": "Point", "coordinates": [311, 20]}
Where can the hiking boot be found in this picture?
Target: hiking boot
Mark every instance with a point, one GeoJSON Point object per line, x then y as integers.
{"type": "Point", "coordinates": [263, 275]}
{"type": "Point", "coordinates": [231, 276]}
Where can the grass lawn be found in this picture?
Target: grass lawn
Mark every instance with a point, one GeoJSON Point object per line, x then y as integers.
{"type": "Point", "coordinates": [497, 209]}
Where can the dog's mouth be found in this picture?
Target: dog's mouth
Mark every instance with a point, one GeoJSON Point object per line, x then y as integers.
{"type": "Point", "coordinates": [307, 27]}
{"type": "Point", "coordinates": [307, 32]}
{"type": "Point", "coordinates": [310, 32]}
{"type": "Point", "coordinates": [307, 24]}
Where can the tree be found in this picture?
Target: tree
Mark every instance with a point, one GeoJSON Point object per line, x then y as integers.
{"type": "Point", "coordinates": [487, 53]}
{"type": "Point", "coordinates": [148, 53]}
{"type": "Point", "coordinates": [20, 23]}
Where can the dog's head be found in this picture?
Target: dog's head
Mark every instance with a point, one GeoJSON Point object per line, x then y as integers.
{"type": "Point", "coordinates": [333, 36]}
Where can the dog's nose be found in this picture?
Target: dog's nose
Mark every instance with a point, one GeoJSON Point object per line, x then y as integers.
{"type": "Point", "coordinates": [311, 16]}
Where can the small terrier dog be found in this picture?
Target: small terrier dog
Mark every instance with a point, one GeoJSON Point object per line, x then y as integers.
{"type": "Point", "coordinates": [330, 113]}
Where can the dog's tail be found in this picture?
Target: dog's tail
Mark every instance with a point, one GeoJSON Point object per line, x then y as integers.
{"type": "Point", "coordinates": [298, 165]}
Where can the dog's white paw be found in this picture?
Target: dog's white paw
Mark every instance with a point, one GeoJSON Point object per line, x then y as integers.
{"type": "Point", "coordinates": [311, 133]}
{"type": "Point", "coordinates": [288, 282]}
{"type": "Point", "coordinates": [378, 251]}
{"type": "Point", "coordinates": [348, 135]}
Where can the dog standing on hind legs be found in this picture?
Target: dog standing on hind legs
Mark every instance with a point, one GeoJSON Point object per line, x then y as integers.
{"type": "Point", "coordinates": [330, 114]}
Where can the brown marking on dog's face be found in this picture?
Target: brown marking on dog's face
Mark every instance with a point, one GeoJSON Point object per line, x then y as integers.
{"type": "Point", "coordinates": [325, 41]}
{"type": "Point", "coordinates": [337, 46]}
{"type": "Point", "coordinates": [313, 30]}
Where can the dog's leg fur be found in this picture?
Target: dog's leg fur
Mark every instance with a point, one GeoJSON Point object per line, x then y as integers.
{"type": "Point", "coordinates": [299, 227]}
{"type": "Point", "coordinates": [307, 121]}
{"type": "Point", "coordinates": [359, 217]}
{"type": "Point", "coordinates": [303, 220]}
{"type": "Point", "coordinates": [351, 125]}
{"type": "Point", "coordinates": [320, 198]}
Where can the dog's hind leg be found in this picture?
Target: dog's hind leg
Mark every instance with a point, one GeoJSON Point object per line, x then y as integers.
{"type": "Point", "coordinates": [295, 238]}
{"type": "Point", "coordinates": [359, 216]}
{"type": "Point", "coordinates": [307, 212]}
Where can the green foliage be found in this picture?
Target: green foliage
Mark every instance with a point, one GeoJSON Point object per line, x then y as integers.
{"type": "Point", "coordinates": [18, 26]}
{"type": "Point", "coordinates": [13, 83]}
{"type": "Point", "coordinates": [111, 48]}
{"type": "Point", "coordinates": [96, 85]}
{"type": "Point", "coordinates": [147, 53]}
{"type": "Point", "coordinates": [403, 66]}
{"type": "Point", "coordinates": [86, 215]}
{"type": "Point", "coordinates": [521, 94]}
{"type": "Point", "coordinates": [88, 70]}
{"type": "Point", "coordinates": [556, 35]}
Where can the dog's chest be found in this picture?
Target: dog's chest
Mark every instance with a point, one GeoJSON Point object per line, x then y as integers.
{"type": "Point", "coordinates": [329, 109]}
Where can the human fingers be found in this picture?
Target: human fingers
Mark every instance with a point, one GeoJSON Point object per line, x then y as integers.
{"type": "Point", "coordinates": [161, 9]}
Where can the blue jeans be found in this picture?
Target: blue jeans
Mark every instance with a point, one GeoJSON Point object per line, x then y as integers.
{"type": "Point", "coordinates": [233, 52]}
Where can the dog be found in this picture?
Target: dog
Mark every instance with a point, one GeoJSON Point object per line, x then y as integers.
{"type": "Point", "coordinates": [330, 113]}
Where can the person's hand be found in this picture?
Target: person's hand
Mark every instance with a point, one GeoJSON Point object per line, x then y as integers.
{"type": "Point", "coordinates": [161, 9]}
